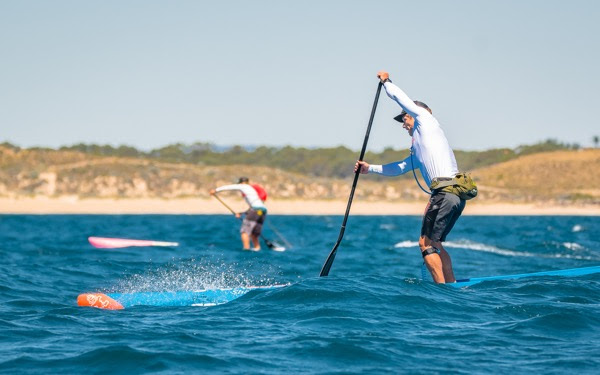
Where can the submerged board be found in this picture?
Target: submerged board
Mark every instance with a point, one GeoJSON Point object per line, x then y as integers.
{"type": "Point", "coordinates": [565, 273]}
{"type": "Point", "coordinates": [208, 297]}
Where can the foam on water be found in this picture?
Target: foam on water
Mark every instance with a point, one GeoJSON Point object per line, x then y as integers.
{"type": "Point", "coordinates": [405, 244]}
{"type": "Point", "coordinates": [477, 246]}
{"type": "Point", "coordinates": [469, 245]}
{"type": "Point", "coordinates": [573, 246]}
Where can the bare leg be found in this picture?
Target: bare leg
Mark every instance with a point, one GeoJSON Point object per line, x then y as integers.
{"type": "Point", "coordinates": [245, 241]}
{"type": "Point", "coordinates": [446, 262]}
{"type": "Point", "coordinates": [433, 261]}
{"type": "Point", "coordinates": [255, 242]}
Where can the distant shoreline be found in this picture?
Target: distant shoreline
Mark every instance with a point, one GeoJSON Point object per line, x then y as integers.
{"type": "Point", "coordinates": [199, 206]}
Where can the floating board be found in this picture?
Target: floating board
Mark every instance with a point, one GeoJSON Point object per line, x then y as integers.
{"type": "Point", "coordinates": [566, 273]}
{"type": "Point", "coordinates": [113, 243]}
{"type": "Point", "coordinates": [208, 297]}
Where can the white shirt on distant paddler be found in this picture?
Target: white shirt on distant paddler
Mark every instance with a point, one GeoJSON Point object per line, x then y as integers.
{"type": "Point", "coordinates": [249, 193]}
{"type": "Point", "coordinates": [432, 153]}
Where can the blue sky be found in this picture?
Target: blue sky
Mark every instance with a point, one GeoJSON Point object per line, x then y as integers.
{"type": "Point", "coordinates": [151, 73]}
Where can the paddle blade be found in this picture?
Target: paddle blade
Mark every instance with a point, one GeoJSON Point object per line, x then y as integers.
{"type": "Point", "coordinates": [113, 243]}
{"type": "Point", "coordinates": [276, 247]}
{"type": "Point", "coordinates": [273, 246]}
{"type": "Point", "coordinates": [287, 244]}
{"type": "Point", "coordinates": [328, 263]}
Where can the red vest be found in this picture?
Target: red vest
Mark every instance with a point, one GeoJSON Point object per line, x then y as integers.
{"type": "Point", "coordinates": [262, 193]}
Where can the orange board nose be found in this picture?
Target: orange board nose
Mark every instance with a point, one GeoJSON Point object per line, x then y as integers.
{"type": "Point", "coordinates": [99, 300]}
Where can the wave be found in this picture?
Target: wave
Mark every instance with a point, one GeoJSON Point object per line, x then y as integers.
{"type": "Point", "coordinates": [477, 246]}
{"type": "Point", "coordinates": [470, 245]}
{"type": "Point", "coordinates": [406, 244]}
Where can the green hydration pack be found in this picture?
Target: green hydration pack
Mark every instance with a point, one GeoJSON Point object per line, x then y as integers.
{"type": "Point", "coordinates": [462, 185]}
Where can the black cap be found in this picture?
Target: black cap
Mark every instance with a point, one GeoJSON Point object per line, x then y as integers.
{"type": "Point", "coordinates": [400, 117]}
{"type": "Point", "coordinates": [243, 179]}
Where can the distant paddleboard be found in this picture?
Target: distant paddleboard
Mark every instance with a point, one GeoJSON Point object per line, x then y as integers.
{"type": "Point", "coordinates": [208, 297]}
{"type": "Point", "coordinates": [565, 273]}
{"type": "Point", "coordinates": [113, 243]}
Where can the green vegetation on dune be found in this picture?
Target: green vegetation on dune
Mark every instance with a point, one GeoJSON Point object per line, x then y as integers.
{"type": "Point", "coordinates": [525, 174]}
{"type": "Point", "coordinates": [321, 162]}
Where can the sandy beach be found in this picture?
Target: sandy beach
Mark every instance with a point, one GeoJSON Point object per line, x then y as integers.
{"type": "Point", "coordinates": [194, 206]}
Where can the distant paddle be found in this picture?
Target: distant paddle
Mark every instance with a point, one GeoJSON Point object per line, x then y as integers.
{"type": "Point", "coordinates": [270, 244]}
{"type": "Point", "coordinates": [289, 245]}
{"type": "Point", "coordinates": [114, 243]}
{"type": "Point", "coordinates": [331, 257]}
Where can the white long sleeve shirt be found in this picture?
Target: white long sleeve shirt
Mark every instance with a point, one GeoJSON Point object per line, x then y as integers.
{"type": "Point", "coordinates": [431, 152]}
{"type": "Point", "coordinates": [248, 192]}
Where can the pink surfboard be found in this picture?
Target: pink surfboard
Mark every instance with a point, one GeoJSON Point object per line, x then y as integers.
{"type": "Point", "coordinates": [113, 243]}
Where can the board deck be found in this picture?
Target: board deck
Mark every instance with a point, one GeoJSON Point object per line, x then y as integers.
{"type": "Point", "coordinates": [208, 297]}
{"type": "Point", "coordinates": [572, 272]}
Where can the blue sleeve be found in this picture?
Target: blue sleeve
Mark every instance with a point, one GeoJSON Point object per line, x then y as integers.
{"type": "Point", "coordinates": [397, 168]}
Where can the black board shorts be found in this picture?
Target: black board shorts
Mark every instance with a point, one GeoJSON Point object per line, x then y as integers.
{"type": "Point", "coordinates": [253, 222]}
{"type": "Point", "coordinates": [441, 214]}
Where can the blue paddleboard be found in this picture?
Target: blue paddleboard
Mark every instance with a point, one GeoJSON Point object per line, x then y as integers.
{"type": "Point", "coordinates": [565, 273]}
{"type": "Point", "coordinates": [208, 297]}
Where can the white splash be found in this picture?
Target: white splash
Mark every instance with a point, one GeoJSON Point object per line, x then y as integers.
{"type": "Point", "coordinates": [573, 246]}
{"type": "Point", "coordinates": [190, 275]}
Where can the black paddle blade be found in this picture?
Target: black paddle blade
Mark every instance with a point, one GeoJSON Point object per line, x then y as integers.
{"type": "Point", "coordinates": [273, 246]}
{"type": "Point", "coordinates": [328, 263]}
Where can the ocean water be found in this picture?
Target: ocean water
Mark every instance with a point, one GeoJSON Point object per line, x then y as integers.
{"type": "Point", "coordinates": [373, 314]}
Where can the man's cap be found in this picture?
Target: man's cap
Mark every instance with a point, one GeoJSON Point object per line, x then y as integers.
{"type": "Point", "coordinates": [400, 117]}
{"type": "Point", "coordinates": [243, 179]}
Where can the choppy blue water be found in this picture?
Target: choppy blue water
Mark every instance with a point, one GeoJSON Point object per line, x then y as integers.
{"type": "Point", "coordinates": [372, 314]}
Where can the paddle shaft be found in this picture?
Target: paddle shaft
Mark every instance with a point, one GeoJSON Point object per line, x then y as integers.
{"type": "Point", "coordinates": [289, 245]}
{"type": "Point", "coordinates": [331, 257]}
{"type": "Point", "coordinates": [225, 204]}
{"type": "Point", "coordinates": [269, 243]}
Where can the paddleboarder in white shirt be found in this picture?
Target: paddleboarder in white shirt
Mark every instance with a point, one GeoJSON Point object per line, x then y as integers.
{"type": "Point", "coordinates": [254, 216]}
{"type": "Point", "coordinates": [432, 155]}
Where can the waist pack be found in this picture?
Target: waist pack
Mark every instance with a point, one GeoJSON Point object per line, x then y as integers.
{"type": "Point", "coordinates": [462, 185]}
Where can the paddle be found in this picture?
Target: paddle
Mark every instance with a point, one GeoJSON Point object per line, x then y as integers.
{"type": "Point", "coordinates": [289, 245]}
{"type": "Point", "coordinates": [331, 257]}
{"type": "Point", "coordinates": [271, 245]}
